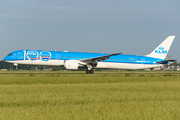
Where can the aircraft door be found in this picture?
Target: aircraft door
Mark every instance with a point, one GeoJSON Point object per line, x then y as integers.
{"type": "Point", "coordinates": [57, 56]}
{"type": "Point", "coordinates": [143, 61]}
{"type": "Point", "coordinates": [20, 55]}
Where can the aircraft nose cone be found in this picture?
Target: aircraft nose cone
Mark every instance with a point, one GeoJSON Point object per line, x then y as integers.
{"type": "Point", "coordinates": [6, 58]}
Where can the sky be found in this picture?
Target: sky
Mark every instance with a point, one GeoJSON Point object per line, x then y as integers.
{"type": "Point", "coordinates": [98, 26]}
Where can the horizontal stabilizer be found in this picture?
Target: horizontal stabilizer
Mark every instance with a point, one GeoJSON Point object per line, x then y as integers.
{"type": "Point", "coordinates": [166, 61]}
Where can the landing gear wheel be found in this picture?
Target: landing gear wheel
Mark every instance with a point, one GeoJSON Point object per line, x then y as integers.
{"type": "Point", "coordinates": [87, 71]}
{"type": "Point", "coordinates": [91, 71]}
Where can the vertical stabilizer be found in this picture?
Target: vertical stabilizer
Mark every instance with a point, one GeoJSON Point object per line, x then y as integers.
{"type": "Point", "coordinates": [162, 50]}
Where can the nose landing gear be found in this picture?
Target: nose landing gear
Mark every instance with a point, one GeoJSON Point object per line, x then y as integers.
{"type": "Point", "coordinates": [15, 64]}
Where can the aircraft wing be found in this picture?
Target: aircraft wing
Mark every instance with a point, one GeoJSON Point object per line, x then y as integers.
{"type": "Point", "coordinates": [100, 58]}
{"type": "Point", "coordinates": [165, 61]}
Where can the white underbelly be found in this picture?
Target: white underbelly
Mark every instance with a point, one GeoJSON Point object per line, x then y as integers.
{"type": "Point", "coordinates": [130, 66]}
{"type": "Point", "coordinates": [39, 62]}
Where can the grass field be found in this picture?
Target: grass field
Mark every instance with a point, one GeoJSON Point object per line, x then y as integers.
{"type": "Point", "coordinates": [90, 97]}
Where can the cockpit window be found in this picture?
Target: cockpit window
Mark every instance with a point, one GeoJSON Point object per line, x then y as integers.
{"type": "Point", "coordinates": [10, 54]}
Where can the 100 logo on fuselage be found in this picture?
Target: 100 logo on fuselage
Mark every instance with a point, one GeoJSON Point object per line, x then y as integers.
{"type": "Point", "coordinates": [35, 55]}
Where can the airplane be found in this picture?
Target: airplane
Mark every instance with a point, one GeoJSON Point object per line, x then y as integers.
{"type": "Point", "coordinates": [74, 60]}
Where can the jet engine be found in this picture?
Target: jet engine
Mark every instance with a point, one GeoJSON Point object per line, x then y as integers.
{"type": "Point", "coordinates": [70, 65]}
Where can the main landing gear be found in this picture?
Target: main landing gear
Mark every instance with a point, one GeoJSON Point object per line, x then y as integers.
{"type": "Point", "coordinates": [89, 72]}
{"type": "Point", "coordinates": [90, 68]}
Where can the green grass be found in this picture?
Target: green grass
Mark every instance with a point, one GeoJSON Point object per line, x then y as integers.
{"type": "Point", "coordinates": [89, 97]}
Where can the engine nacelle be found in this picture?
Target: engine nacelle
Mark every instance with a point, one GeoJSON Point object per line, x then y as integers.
{"type": "Point", "coordinates": [70, 65]}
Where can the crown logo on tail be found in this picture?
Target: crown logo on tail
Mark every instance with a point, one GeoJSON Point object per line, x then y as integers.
{"type": "Point", "coordinates": [161, 48]}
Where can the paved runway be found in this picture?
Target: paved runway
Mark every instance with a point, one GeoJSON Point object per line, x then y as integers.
{"type": "Point", "coordinates": [141, 73]}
